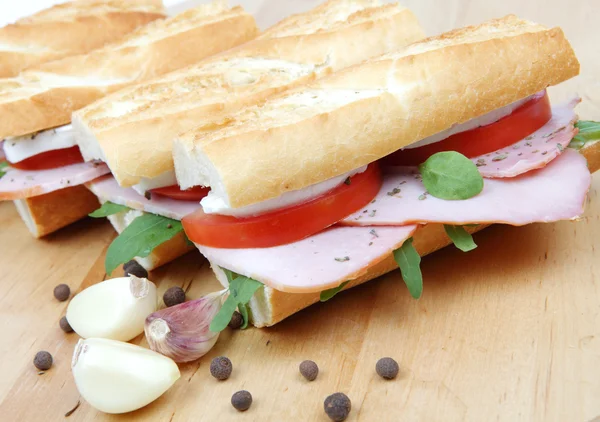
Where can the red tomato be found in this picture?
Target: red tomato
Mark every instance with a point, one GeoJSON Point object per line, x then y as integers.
{"type": "Point", "coordinates": [51, 159]}
{"type": "Point", "coordinates": [175, 192]}
{"type": "Point", "coordinates": [485, 139]}
{"type": "Point", "coordinates": [288, 224]}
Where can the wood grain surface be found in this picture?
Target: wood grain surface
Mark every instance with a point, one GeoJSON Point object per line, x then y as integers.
{"type": "Point", "coordinates": [508, 332]}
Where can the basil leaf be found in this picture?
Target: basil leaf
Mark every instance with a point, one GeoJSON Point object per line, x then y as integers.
{"type": "Point", "coordinates": [108, 208]}
{"type": "Point", "coordinates": [144, 234]}
{"type": "Point", "coordinates": [409, 261]}
{"type": "Point", "coordinates": [223, 317]}
{"type": "Point", "coordinates": [588, 131]}
{"type": "Point", "coordinates": [460, 237]}
{"type": "Point", "coordinates": [244, 311]}
{"type": "Point", "coordinates": [243, 288]}
{"type": "Point", "coordinates": [329, 293]}
{"type": "Point", "coordinates": [3, 165]}
{"type": "Point", "coordinates": [451, 175]}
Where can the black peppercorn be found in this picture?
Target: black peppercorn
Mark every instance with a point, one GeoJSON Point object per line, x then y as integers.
{"type": "Point", "coordinates": [134, 268]}
{"type": "Point", "coordinates": [42, 360]}
{"type": "Point", "coordinates": [241, 400]}
{"type": "Point", "coordinates": [64, 325]}
{"type": "Point", "coordinates": [387, 368]}
{"type": "Point", "coordinates": [174, 296]}
{"type": "Point", "coordinates": [309, 370]}
{"type": "Point", "coordinates": [337, 406]}
{"type": "Point", "coordinates": [220, 368]}
{"type": "Point", "coordinates": [62, 292]}
{"type": "Point", "coordinates": [236, 320]}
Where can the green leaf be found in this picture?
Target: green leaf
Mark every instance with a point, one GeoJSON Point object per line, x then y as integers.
{"type": "Point", "coordinates": [329, 293]}
{"type": "Point", "coordinates": [409, 261]}
{"type": "Point", "coordinates": [144, 234]}
{"type": "Point", "coordinates": [243, 288]}
{"type": "Point", "coordinates": [3, 166]}
{"type": "Point", "coordinates": [460, 237]}
{"type": "Point", "coordinates": [451, 175]}
{"type": "Point", "coordinates": [588, 131]}
{"type": "Point", "coordinates": [223, 317]}
{"type": "Point", "coordinates": [244, 311]}
{"type": "Point", "coordinates": [108, 208]}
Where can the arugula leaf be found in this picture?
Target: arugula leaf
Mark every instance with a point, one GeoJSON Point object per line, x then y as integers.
{"type": "Point", "coordinates": [460, 237]}
{"type": "Point", "coordinates": [451, 175]}
{"type": "Point", "coordinates": [144, 234]}
{"type": "Point", "coordinates": [223, 317]}
{"type": "Point", "coordinates": [3, 165]}
{"type": "Point", "coordinates": [588, 131]}
{"type": "Point", "coordinates": [241, 290]}
{"type": "Point", "coordinates": [329, 293]}
{"type": "Point", "coordinates": [409, 261]}
{"type": "Point", "coordinates": [108, 208]}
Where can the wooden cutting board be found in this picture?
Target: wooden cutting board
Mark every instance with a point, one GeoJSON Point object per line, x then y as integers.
{"type": "Point", "coordinates": [510, 331]}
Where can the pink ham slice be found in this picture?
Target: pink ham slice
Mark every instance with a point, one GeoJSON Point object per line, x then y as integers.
{"type": "Point", "coordinates": [536, 150]}
{"type": "Point", "coordinates": [556, 192]}
{"type": "Point", "coordinates": [19, 184]}
{"type": "Point", "coordinates": [107, 189]}
{"type": "Point", "coordinates": [320, 262]}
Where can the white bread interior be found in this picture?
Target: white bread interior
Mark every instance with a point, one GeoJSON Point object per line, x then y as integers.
{"type": "Point", "coordinates": [162, 254]}
{"type": "Point", "coordinates": [45, 96]}
{"type": "Point", "coordinates": [71, 28]}
{"type": "Point", "coordinates": [269, 306]}
{"type": "Point", "coordinates": [365, 112]}
{"type": "Point", "coordinates": [44, 214]}
{"type": "Point", "coordinates": [132, 130]}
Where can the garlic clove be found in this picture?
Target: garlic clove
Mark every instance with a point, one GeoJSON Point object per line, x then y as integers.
{"type": "Point", "coordinates": [182, 332]}
{"type": "Point", "coordinates": [118, 377]}
{"type": "Point", "coordinates": [114, 309]}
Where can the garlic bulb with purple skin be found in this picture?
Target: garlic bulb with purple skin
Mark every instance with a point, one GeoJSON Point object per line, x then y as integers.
{"type": "Point", "coordinates": [181, 332]}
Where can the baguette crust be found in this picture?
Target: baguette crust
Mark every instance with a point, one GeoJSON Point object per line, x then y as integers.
{"type": "Point", "coordinates": [71, 28]}
{"type": "Point", "coordinates": [45, 96]}
{"type": "Point", "coordinates": [132, 130]}
{"type": "Point", "coordinates": [270, 306]}
{"type": "Point", "coordinates": [368, 111]}
{"type": "Point", "coordinates": [44, 214]}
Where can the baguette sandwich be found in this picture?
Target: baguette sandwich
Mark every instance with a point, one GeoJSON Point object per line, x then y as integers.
{"type": "Point", "coordinates": [132, 130]}
{"type": "Point", "coordinates": [71, 28]}
{"type": "Point", "coordinates": [46, 170]}
{"type": "Point", "coordinates": [340, 181]}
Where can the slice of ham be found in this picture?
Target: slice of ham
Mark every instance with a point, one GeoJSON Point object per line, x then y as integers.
{"type": "Point", "coordinates": [556, 192]}
{"type": "Point", "coordinates": [19, 184]}
{"type": "Point", "coordinates": [536, 150]}
{"type": "Point", "coordinates": [107, 189]}
{"type": "Point", "coordinates": [320, 262]}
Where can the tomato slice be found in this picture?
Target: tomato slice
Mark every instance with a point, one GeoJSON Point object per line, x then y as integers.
{"type": "Point", "coordinates": [175, 192]}
{"type": "Point", "coordinates": [288, 224]}
{"type": "Point", "coordinates": [522, 122]}
{"type": "Point", "coordinates": [50, 159]}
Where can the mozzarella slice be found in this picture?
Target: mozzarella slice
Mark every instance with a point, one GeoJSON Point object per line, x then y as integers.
{"type": "Point", "coordinates": [21, 148]}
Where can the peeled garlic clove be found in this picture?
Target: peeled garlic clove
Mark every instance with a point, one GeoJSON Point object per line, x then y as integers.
{"type": "Point", "coordinates": [181, 332]}
{"type": "Point", "coordinates": [118, 377]}
{"type": "Point", "coordinates": [114, 309]}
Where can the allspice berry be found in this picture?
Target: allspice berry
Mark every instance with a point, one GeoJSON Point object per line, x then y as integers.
{"type": "Point", "coordinates": [241, 400]}
{"type": "Point", "coordinates": [387, 368]}
{"type": "Point", "coordinates": [337, 406]}
{"type": "Point", "coordinates": [221, 367]}
{"type": "Point", "coordinates": [236, 320]}
{"type": "Point", "coordinates": [309, 370]}
{"type": "Point", "coordinates": [62, 292]}
{"type": "Point", "coordinates": [64, 325]}
{"type": "Point", "coordinates": [134, 268]}
{"type": "Point", "coordinates": [42, 360]}
{"type": "Point", "coordinates": [174, 296]}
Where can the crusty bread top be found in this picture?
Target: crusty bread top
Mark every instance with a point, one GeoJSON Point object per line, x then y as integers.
{"type": "Point", "coordinates": [71, 28]}
{"type": "Point", "coordinates": [45, 96]}
{"type": "Point", "coordinates": [365, 112]}
{"type": "Point", "coordinates": [132, 129]}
